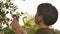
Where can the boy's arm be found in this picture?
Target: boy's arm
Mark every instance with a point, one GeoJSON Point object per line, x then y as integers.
{"type": "Point", "coordinates": [17, 27]}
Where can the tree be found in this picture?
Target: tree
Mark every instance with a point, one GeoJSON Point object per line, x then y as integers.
{"type": "Point", "coordinates": [5, 8]}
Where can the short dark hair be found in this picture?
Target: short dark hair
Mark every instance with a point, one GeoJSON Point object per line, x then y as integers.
{"type": "Point", "coordinates": [48, 12]}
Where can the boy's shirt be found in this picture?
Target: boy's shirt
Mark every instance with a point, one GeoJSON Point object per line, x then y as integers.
{"type": "Point", "coordinates": [44, 31]}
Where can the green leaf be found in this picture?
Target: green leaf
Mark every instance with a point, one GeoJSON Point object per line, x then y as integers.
{"type": "Point", "coordinates": [10, 12]}
{"type": "Point", "coordinates": [7, 12]}
{"type": "Point", "coordinates": [6, 5]}
{"type": "Point", "coordinates": [8, 0]}
{"type": "Point", "coordinates": [1, 29]}
{"type": "Point", "coordinates": [22, 13]}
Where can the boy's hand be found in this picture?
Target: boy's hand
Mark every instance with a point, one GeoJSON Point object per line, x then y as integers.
{"type": "Point", "coordinates": [17, 27]}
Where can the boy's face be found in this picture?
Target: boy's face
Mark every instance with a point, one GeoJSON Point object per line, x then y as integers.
{"type": "Point", "coordinates": [38, 18]}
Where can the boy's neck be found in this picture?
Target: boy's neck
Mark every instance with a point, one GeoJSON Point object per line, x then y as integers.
{"type": "Point", "coordinates": [42, 25]}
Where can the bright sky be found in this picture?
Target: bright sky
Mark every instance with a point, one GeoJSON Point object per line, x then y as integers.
{"type": "Point", "coordinates": [30, 6]}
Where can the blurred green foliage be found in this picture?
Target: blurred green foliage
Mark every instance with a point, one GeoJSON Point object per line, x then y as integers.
{"type": "Point", "coordinates": [4, 10]}
{"type": "Point", "coordinates": [29, 25]}
{"type": "Point", "coordinates": [7, 30]}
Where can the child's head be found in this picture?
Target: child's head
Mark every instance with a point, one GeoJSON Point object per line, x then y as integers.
{"type": "Point", "coordinates": [46, 13]}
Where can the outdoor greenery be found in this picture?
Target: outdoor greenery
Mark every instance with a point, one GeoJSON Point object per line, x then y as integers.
{"type": "Point", "coordinates": [7, 8]}
{"type": "Point", "coordinates": [29, 21]}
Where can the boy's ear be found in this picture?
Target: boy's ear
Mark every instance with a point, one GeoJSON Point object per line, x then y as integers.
{"type": "Point", "coordinates": [40, 18]}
